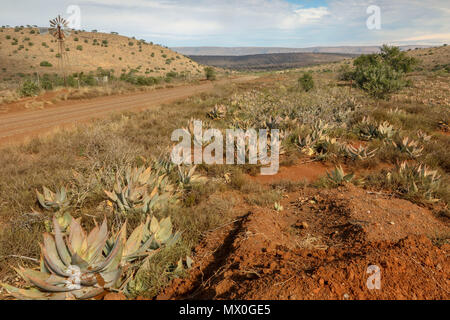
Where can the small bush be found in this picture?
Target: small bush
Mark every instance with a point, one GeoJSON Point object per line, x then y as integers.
{"type": "Point", "coordinates": [29, 88]}
{"type": "Point", "coordinates": [46, 82]}
{"type": "Point", "coordinates": [210, 73]}
{"type": "Point", "coordinates": [80, 48]}
{"type": "Point", "coordinates": [345, 73]}
{"type": "Point", "coordinates": [306, 81]}
{"type": "Point", "coordinates": [45, 64]}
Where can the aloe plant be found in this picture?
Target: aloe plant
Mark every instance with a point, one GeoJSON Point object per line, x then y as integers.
{"type": "Point", "coordinates": [316, 142]}
{"type": "Point", "coordinates": [50, 200]}
{"type": "Point", "coordinates": [187, 177]}
{"type": "Point", "coordinates": [338, 176]}
{"type": "Point", "coordinates": [369, 130]}
{"type": "Point", "coordinates": [423, 137]}
{"type": "Point", "coordinates": [141, 190]}
{"type": "Point", "coordinates": [416, 180]}
{"type": "Point", "coordinates": [145, 240]}
{"type": "Point", "coordinates": [408, 146]}
{"type": "Point", "coordinates": [73, 266]}
{"type": "Point", "coordinates": [360, 153]}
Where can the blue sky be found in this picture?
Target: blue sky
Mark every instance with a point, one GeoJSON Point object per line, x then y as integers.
{"type": "Point", "coordinates": [273, 23]}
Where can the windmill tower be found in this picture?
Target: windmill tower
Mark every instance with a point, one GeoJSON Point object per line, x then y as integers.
{"type": "Point", "coordinates": [60, 31]}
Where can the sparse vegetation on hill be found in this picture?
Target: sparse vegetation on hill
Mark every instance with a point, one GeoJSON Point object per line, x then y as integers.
{"type": "Point", "coordinates": [104, 52]}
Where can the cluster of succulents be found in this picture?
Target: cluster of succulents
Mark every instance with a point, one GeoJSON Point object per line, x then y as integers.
{"type": "Point", "coordinates": [258, 110]}
{"type": "Point", "coordinates": [416, 179]}
{"type": "Point", "coordinates": [72, 266]}
{"type": "Point", "coordinates": [317, 143]}
{"type": "Point", "coordinates": [140, 190]}
{"type": "Point", "coordinates": [408, 146]}
{"type": "Point", "coordinates": [78, 265]}
{"type": "Point", "coordinates": [369, 130]}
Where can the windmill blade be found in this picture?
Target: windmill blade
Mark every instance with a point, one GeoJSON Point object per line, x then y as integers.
{"type": "Point", "coordinates": [66, 32]}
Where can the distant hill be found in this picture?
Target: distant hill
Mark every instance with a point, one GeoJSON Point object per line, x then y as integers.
{"type": "Point", "coordinates": [276, 61]}
{"type": "Point", "coordinates": [22, 50]}
{"type": "Point", "coordinates": [242, 51]}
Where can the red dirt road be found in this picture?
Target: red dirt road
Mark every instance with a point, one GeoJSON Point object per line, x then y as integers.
{"type": "Point", "coordinates": [14, 126]}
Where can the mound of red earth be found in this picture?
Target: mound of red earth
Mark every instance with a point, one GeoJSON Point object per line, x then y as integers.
{"type": "Point", "coordinates": [322, 246]}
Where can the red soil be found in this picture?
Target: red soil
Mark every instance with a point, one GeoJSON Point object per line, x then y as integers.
{"type": "Point", "coordinates": [320, 247]}
{"type": "Point", "coordinates": [303, 171]}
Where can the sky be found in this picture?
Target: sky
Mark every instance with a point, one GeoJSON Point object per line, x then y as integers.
{"type": "Point", "coordinates": [248, 23]}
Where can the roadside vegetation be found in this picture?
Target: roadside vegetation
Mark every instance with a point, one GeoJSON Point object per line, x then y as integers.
{"type": "Point", "coordinates": [118, 169]}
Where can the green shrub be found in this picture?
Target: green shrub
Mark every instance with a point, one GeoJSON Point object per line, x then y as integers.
{"type": "Point", "coordinates": [210, 73]}
{"type": "Point", "coordinates": [383, 74]}
{"type": "Point", "coordinates": [397, 59]}
{"type": "Point", "coordinates": [29, 88]}
{"type": "Point", "coordinates": [46, 82]}
{"type": "Point", "coordinates": [45, 64]}
{"type": "Point", "coordinates": [80, 48]}
{"type": "Point", "coordinates": [345, 73]}
{"type": "Point", "coordinates": [306, 81]}
{"type": "Point", "coordinates": [378, 78]}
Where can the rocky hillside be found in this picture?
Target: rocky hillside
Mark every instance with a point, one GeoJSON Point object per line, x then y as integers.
{"type": "Point", "coordinates": [24, 51]}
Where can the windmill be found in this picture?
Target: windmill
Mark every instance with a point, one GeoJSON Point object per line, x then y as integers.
{"type": "Point", "coordinates": [59, 29]}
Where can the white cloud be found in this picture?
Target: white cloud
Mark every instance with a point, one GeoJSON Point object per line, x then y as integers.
{"type": "Point", "coordinates": [303, 17]}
